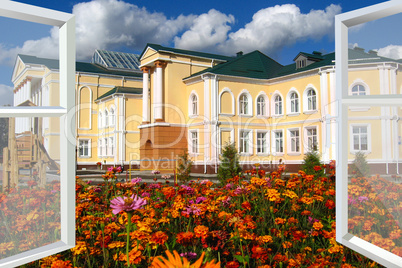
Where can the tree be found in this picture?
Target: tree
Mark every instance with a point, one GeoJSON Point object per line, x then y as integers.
{"type": "Point", "coordinates": [229, 166]}
{"type": "Point", "coordinates": [184, 167]}
{"type": "Point", "coordinates": [312, 164]}
{"type": "Point", "coordinates": [359, 167]}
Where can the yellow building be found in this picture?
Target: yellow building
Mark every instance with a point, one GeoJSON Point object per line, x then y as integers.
{"type": "Point", "coordinates": [200, 101]}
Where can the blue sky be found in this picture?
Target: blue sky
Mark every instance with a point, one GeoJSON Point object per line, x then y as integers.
{"type": "Point", "coordinates": [280, 29]}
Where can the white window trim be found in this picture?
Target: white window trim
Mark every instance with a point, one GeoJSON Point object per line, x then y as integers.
{"type": "Point", "coordinates": [289, 105]}
{"type": "Point", "coordinates": [220, 104]}
{"type": "Point", "coordinates": [351, 148]}
{"type": "Point", "coordinates": [190, 142]}
{"type": "Point", "coordinates": [250, 142]}
{"type": "Point", "coordinates": [273, 143]}
{"type": "Point", "coordinates": [342, 24]}
{"type": "Point", "coordinates": [289, 142]}
{"type": "Point", "coordinates": [232, 137]}
{"type": "Point", "coordinates": [112, 123]}
{"type": "Point", "coordinates": [305, 100]}
{"type": "Point", "coordinates": [305, 139]}
{"type": "Point", "coordinates": [112, 147]}
{"type": "Point", "coordinates": [245, 92]}
{"type": "Point", "coordinates": [106, 118]}
{"type": "Point", "coordinates": [100, 119]}
{"type": "Point", "coordinates": [190, 104]}
{"type": "Point", "coordinates": [267, 139]}
{"type": "Point", "coordinates": [66, 24]}
{"type": "Point", "coordinates": [89, 148]}
{"type": "Point", "coordinates": [367, 90]}
{"type": "Point", "coordinates": [266, 110]}
{"type": "Point", "coordinates": [86, 106]}
{"type": "Point", "coordinates": [276, 93]}
{"type": "Point", "coordinates": [100, 144]}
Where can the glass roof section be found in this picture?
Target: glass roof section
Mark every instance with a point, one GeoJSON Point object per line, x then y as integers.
{"type": "Point", "coordinates": [120, 60]}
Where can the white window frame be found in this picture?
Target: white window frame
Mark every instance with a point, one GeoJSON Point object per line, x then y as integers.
{"type": "Point", "coordinates": [191, 150]}
{"type": "Point", "coordinates": [66, 113]}
{"type": "Point", "coordinates": [291, 139]}
{"type": "Point", "coordinates": [306, 99]}
{"type": "Point", "coordinates": [290, 102]}
{"type": "Point", "coordinates": [100, 119]}
{"type": "Point", "coordinates": [112, 116]}
{"type": "Point", "coordinates": [191, 111]}
{"type": "Point", "coordinates": [111, 147]}
{"type": "Point", "coordinates": [265, 110]}
{"type": "Point", "coordinates": [344, 101]}
{"type": "Point", "coordinates": [351, 136]}
{"type": "Point", "coordinates": [220, 102]}
{"type": "Point", "coordinates": [88, 155]}
{"type": "Point", "coordinates": [106, 118]}
{"type": "Point", "coordinates": [257, 140]}
{"type": "Point", "coordinates": [274, 113]}
{"type": "Point", "coordinates": [232, 138]}
{"type": "Point", "coordinates": [273, 143]}
{"type": "Point", "coordinates": [249, 143]}
{"type": "Point", "coordinates": [240, 110]}
{"type": "Point", "coordinates": [100, 142]}
{"type": "Point", "coordinates": [105, 147]}
{"type": "Point", "coordinates": [307, 148]}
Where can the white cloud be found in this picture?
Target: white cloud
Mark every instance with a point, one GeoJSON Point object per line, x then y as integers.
{"type": "Point", "coordinates": [270, 30]}
{"type": "Point", "coordinates": [6, 95]}
{"type": "Point", "coordinates": [208, 30]}
{"type": "Point", "coordinates": [391, 51]}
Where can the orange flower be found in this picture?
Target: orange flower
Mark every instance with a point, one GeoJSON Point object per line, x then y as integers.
{"type": "Point", "coordinates": [185, 238]}
{"type": "Point", "coordinates": [61, 264]}
{"type": "Point", "coordinates": [280, 221]}
{"type": "Point", "coordinates": [246, 205]}
{"type": "Point", "coordinates": [159, 238]}
{"type": "Point", "coordinates": [317, 225]}
{"type": "Point", "coordinates": [273, 194]}
{"type": "Point", "coordinates": [201, 231]}
{"type": "Point", "coordinates": [176, 262]}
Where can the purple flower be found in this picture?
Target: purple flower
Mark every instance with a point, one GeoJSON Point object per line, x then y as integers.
{"type": "Point", "coordinates": [362, 199]}
{"type": "Point", "coordinates": [154, 186]}
{"type": "Point", "coordinates": [240, 190]}
{"type": "Point", "coordinates": [189, 255]}
{"type": "Point", "coordinates": [226, 202]}
{"type": "Point", "coordinates": [312, 220]}
{"type": "Point", "coordinates": [136, 180]}
{"type": "Point", "coordinates": [146, 194]}
{"type": "Point", "coordinates": [228, 186]}
{"type": "Point", "coordinates": [200, 199]}
{"type": "Point", "coordinates": [110, 169]}
{"type": "Point", "coordinates": [204, 181]}
{"type": "Point", "coordinates": [127, 203]}
{"type": "Point", "coordinates": [97, 190]}
{"type": "Point", "coordinates": [192, 209]}
{"type": "Point", "coordinates": [188, 189]}
{"type": "Point", "coordinates": [154, 172]}
{"type": "Point", "coordinates": [351, 201]}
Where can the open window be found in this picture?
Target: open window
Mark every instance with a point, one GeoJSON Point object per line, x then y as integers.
{"type": "Point", "coordinates": [51, 153]}
{"type": "Point", "coordinates": [371, 165]}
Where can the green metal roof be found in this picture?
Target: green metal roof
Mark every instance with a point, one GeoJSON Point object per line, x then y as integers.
{"type": "Point", "coordinates": [160, 48]}
{"type": "Point", "coordinates": [80, 66]}
{"type": "Point", "coordinates": [315, 56]}
{"type": "Point", "coordinates": [252, 65]}
{"type": "Point", "coordinates": [121, 90]}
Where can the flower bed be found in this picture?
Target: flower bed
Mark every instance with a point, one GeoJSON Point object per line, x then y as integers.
{"type": "Point", "coordinates": [259, 220]}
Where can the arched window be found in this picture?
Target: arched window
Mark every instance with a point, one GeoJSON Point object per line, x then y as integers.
{"type": "Point", "coordinates": [294, 102]}
{"type": "Point", "coordinates": [261, 106]}
{"type": "Point", "coordinates": [100, 120]}
{"type": "Point", "coordinates": [243, 104]}
{"type": "Point", "coordinates": [106, 118]}
{"type": "Point", "coordinates": [311, 100]}
{"type": "Point", "coordinates": [358, 90]}
{"type": "Point", "coordinates": [194, 104]}
{"type": "Point", "coordinates": [278, 105]}
{"type": "Point", "coordinates": [111, 117]}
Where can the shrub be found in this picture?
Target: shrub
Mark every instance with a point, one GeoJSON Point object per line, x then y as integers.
{"type": "Point", "coordinates": [311, 162]}
{"type": "Point", "coordinates": [359, 167]}
{"type": "Point", "coordinates": [184, 167]}
{"type": "Point", "coordinates": [229, 166]}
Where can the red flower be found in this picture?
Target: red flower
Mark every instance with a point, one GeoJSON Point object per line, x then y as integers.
{"type": "Point", "coordinates": [317, 168]}
{"type": "Point", "coordinates": [330, 204]}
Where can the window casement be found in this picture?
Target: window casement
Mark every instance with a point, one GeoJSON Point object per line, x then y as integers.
{"type": "Point", "coordinates": [301, 63]}
{"type": "Point", "coordinates": [277, 142]}
{"type": "Point", "coordinates": [294, 141]}
{"type": "Point", "coordinates": [261, 106]}
{"type": "Point", "coordinates": [84, 148]}
{"type": "Point", "coordinates": [278, 105]}
{"type": "Point", "coordinates": [245, 142]}
{"type": "Point", "coordinates": [360, 138]}
{"type": "Point", "coordinates": [243, 105]}
{"type": "Point", "coordinates": [293, 101]}
{"type": "Point", "coordinates": [106, 118]}
{"type": "Point", "coordinates": [358, 90]}
{"type": "Point", "coordinates": [111, 146]}
{"type": "Point", "coordinates": [193, 142]}
{"type": "Point", "coordinates": [194, 105]}
{"type": "Point", "coordinates": [100, 120]}
{"type": "Point", "coordinates": [311, 138]}
{"type": "Point", "coordinates": [311, 100]}
{"type": "Point", "coordinates": [105, 147]}
{"type": "Point", "coordinates": [112, 119]}
{"type": "Point", "coordinates": [262, 142]}
{"type": "Point", "coordinates": [100, 153]}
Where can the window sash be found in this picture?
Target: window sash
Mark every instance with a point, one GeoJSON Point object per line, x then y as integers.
{"type": "Point", "coordinates": [244, 141]}
{"type": "Point", "coordinates": [261, 142]}
{"type": "Point", "coordinates": [194, 142]}
{"type": "Point", "coordinates": [278, 105]}
{"type": "Point", "coordinates": [279, 142]}
{"type": "Point", "coordinates": [294, 141]}
{"type": "Point", "coordinates": [260, 106]}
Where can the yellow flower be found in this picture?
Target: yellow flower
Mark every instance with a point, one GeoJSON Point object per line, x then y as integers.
{"type": "Point", "coordinates": [272, 194]}
{"type": "Point", "coordinates": [290, 194]}
{"type": "Point", "coordinates": [318, 225]}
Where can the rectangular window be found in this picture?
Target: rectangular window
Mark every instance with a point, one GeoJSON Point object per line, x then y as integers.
{"type": "Point", "coordinates": [99, 147]}
{"type": "Point", "coordinates": [312, 141]}
{"type": "Point", "coordinates": [359, 137]}
{"type": "Point", "coordinates": [105, 147]}
{"type": "Point", "coordinates": [262, 143]}
{"type": "Point", "coordinates": [194, 142]}
{"type": "Point", "coordinates": [84, 148]}
{"type": "Point", "coordinates": [294, 137]}
{"type": "Point", "coordinates": [278, 141]}
{"type": "Point", "coordinates": [244, 141]}
{"type": "Point", "coordinates": [111, 146]}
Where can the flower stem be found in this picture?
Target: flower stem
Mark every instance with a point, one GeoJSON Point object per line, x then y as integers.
{"type": "Point", "coordinates": [128, 237]}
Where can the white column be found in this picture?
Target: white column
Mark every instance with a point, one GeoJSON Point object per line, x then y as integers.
{"type": "Point", "coordinates": [158, 92]}
{"type": "Point", "coordinates": [207, 120]}
{"type": "Point", "coordinates": [332, 89]}
{"type": "Point", "coordinates": [324, 114]}
{"type": "Point", "coordinates": [28, 88]}
{"type": "Point", "coordinates": [122, 140]}
{"type": "Point", "coordinates": [145, 94]}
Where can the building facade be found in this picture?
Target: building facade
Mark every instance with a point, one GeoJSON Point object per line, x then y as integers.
{"type": "Point", "coordinates": [173, 100]}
